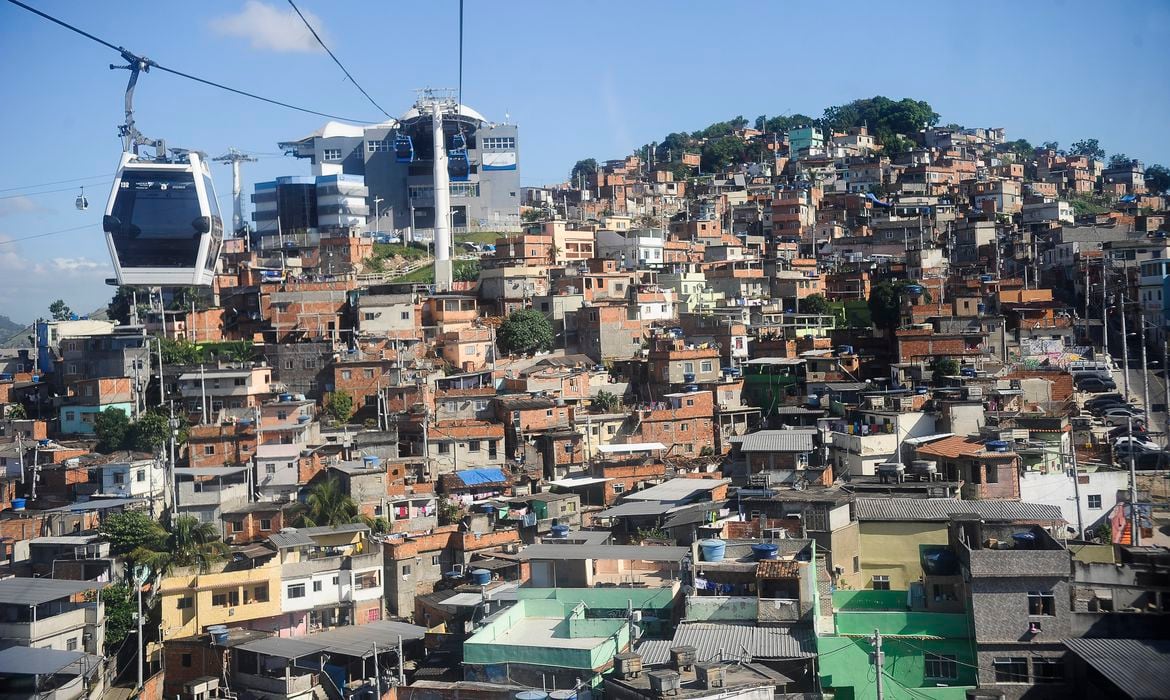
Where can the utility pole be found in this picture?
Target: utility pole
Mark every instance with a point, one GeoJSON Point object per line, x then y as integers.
{"type": "Point", "coordinates": [1124, 347]}
{"type": "Point", "coordinates": [1134, 520]}
{"type": "Point", "coordinates": [878, 660]}
{"type": "Point", "coordinates": [234, 157]}
{"type": "Point", "coordinates": [1077, 483]}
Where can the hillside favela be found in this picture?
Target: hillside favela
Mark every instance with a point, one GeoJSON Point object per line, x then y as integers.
{"type": "Point", "coordinates": [556, 379]}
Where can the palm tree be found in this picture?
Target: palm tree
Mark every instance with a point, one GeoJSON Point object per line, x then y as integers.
{"type": "Point", "coordinates": [188, 543]}
{"type": "Point", "coordinates": [327, 504]}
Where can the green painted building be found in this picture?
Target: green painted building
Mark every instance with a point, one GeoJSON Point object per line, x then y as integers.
{"type": "Point", "coordinates": [769, 382]}
{"type": "Point", "coordinates": [927, 654]}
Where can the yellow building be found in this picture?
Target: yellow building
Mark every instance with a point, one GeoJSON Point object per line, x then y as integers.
{"type": "Point", "coordinates": [891, 552]}
{"type": "Point", "coordinates": [192, 601]}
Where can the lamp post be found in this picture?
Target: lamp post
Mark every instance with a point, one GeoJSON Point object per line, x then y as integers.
{"type": "Point", "coordinates": [377, 215]}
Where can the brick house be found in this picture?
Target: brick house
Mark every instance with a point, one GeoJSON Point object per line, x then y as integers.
{"type": "Point", "coordinates": [684, 422]}
{"type": "Point", "coordinates": [608, 333]}
{"type": "Point", "coordinates": [221, 445]}
{"type": "Point", "coordinates": [988, 469]}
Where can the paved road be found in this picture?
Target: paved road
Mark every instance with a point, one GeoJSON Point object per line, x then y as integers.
{"type": "Point", "coordinates": [1157, 422]}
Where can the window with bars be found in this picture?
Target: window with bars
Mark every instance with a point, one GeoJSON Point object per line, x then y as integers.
{"type": "Point", "coordinates": [941, 666]}
{"type": "Point", "coordinates": [1010, 669]}
{"type": "Point", "coordinates": [1041, 603]}
{"type": "Point", "coordinates": [1048, 670]}
{"type": "Point", "coordinates": [881, 583]}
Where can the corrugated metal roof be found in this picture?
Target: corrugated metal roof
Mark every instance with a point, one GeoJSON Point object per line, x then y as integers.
{"type": "Point", "coordinates": [34, 591]}
{"type": "Point", "coordinates": [778, 441]}
{"type": "Point", "coordinates": [283, 540]}
{"type": "Point", "coordinates": [355, 640]}
{"type": "Point", "coordinates": [31, 661]}
{"type": "Point", "coordinates": [735, 639]}
{"type": "Point", "coordinates": [1138, 667]}
{"type": "Point", "coordinates": [677, 490]}
{"type": "Point", "coordinates": [636, 508]}
{"type": "Point", "coordinates": [944, 508]}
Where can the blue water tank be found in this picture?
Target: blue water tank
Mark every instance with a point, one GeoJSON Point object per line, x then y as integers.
{"type": "Point", "coordinates": [713, 549]}
{"type": "Point", "coordinates": [560, 531]}
{"type": "Point", "coordinates": [986, 278]}
{"type": "Point", "coordinates": [996, 446]}
{"type": "Point", "coordinates": [219, 634]}
{"type": "Point", "coordinates": [764, 551]}
{"type": "Point", "coordinates": [481, 577]}
{"type": "Point", "coordinates": [286, 397]}
{"type": "Point", "coordinates": [914, 288]}
{"type": "Point", "coordinates": [19, 504]}
{"type": "Point", "coordinates": [371, 460]}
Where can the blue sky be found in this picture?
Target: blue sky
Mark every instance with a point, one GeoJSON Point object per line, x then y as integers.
{"type": "Point", "coordinates": [581, 79]}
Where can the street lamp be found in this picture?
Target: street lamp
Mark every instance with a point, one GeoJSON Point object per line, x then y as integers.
{"type": "Point", "coordinates": [377, 215]}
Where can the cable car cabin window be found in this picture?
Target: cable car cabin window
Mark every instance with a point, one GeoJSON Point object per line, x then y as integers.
{"type": "Point", "coordinates": [157, 215]}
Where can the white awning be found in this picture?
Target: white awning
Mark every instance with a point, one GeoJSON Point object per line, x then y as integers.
{"type": "Point", "coordinates": [578, 481]}
{"type": "Point", "coordinates": [630, 447]}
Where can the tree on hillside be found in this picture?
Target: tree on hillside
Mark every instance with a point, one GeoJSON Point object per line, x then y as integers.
{"type": "Point", "coordinates": [187, 543]}
{"type": "Point", "coordinates": [525, 331]}
{"type": "Point", "coordinates": [328, 504]}
{"type": "Point", "coordinates": [1087, 147]}
{"type": "Point", "coordinates": [814, 304]}
{"type": "Point", "coordinates": [121, 616]}
{"type": "Point", "coordinates": [1158, 179]}
{"type": "Point", "coordinates": [60, 311]}
{"type": "Point", "coordinates": [943, 367]}
{"type": "Point", "coordinates": [883, 116]}
{"type": "Point", "coordinates": [1022, 149]}
{"type": "Point", "coordinates": [1120, 160]}
{"type": "Point", "coordinates": [672, 147]}
{"type": "Point", "coordinates": [149, 433]}
{"type": "Point", "coordinates": [583, 169]}
{"type": "Point", "coordinates": [1051, 146]}
{"type": "Point", "coordinates": [132, 530]}
{"type": "Point", "coordinates": [606, 401]}
{"type": "Point", "coordinates": [885, 303]}
{"type": "Point", "coordinates": [110, 428]}
{"type": "Point", "coordinates": [339, 406]}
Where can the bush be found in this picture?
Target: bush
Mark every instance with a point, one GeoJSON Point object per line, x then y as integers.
{"type": "Point", "coordinates": [524, 332]}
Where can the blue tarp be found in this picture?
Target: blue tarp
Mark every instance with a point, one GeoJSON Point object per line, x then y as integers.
{"type": "Point", "coordinates": [474, 477]}
{"type": "Point", "coordinates": [870, 196]}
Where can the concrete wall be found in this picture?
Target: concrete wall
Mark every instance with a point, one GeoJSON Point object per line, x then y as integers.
{"type": "Point", "coordinates": [894, 549]}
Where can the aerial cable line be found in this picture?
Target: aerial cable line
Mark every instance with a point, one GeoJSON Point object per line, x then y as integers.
{"type": "Point", "coordinates": [50, 233]}
{"type": "Point", "coordinates": [460, 52]}
{"type": "Point", "coordinates": [335, 59]}
{"type": "Point", "coordinates": [152, 64]}
{"type": "Point", "coordinates": [63, 189]}
{"type": "Point", "coordinates": [55, 182]}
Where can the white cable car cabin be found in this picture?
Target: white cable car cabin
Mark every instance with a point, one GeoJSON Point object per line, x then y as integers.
{"type": "Point", "coordinates": [162, 222]}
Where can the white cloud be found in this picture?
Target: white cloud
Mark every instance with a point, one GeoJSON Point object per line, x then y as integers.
{"type": "Point", "coordinates": [75, 264]}
{"type": "Point", "coordinates": [21, 205]}
{"type": "Point", "coordinates": [268, 28]}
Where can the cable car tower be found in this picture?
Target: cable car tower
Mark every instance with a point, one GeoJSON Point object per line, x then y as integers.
{"type": "Point", "coordinates": [239, 227]}
{"type": "Point", "coordinates": [439, 103]}
{"type": "Point", "coordinates": [162, 220]}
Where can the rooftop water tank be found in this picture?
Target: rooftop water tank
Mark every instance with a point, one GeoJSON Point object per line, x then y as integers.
{"type": "Point", "coordinates": [764, 551]}
{"type": "Point", "coordinates": [219, 634]}
{"type": "Point", "coordinates": [18, 504]}
{"type": "Point", "coordinates": [996, 446]}
{"type": "Point", "coordinates": [481, 577]}
{"type": "Point", "coordinates": [531, 695]}
{"type": "Point", "coordinates": [560, 531]}
{"type": "Point", "coordinates": [713, 549]}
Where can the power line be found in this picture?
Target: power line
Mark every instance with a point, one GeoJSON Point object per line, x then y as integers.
{"type": "Point", "coordinates": [43, 235]}
{"type": "Point", "coordinates": [55, 182]}
{"type": "Point", "coordinates": [152, 64]}
{"type": "Point", "coordinates": [338, 62]}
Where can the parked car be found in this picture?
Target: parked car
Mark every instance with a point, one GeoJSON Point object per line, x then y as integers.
{"type": "Point", "coordinates": [1095, 385]}
{"type": "Point", "coordinates": [1123, 415]}
{"type": "Point", "coordinates": [1152, 460]}
{"type": "Point", "coordinates": [1104, 399]}
{"type": "Point", "coordinates": [1139, 430]}
{"type": "Point", "coordinates": [1136, 443]}
{"type": "Point", "coordinates": [1102, 410]}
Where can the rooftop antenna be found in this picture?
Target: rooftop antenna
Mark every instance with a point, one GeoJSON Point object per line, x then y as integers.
{"type": "Point", "coordinates": [131, 137]}
{"type": "Point", "coordinates": [235, 158]}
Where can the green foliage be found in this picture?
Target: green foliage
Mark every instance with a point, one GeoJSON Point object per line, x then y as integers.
{"type": "Point", "coordinates": [187, 543]}
{"type": "Point", "coordinates": [895, 145]}
{"type": "Point", "coordinates": [339, 406]}
{"type": "Point", "coordinates": [450, 512]}
{"type": "Point", "coordinates": [719, 129]}
{"type": "Point", "coordinates": [1120, 160]}
{"type": "Point", "coordinates": [118, 309]}
{"type": "Point", "coordinates": [149, 433]}
{"type": "Point", "coordinates": [883, 116]}
{"type": "Point", "coordinates": [1158, 179]}
{"type": "Point", "coordinates": [885, 303]}
{"type": "Point", "coordinates": [1087, 147]}
{"type": "Point", "coordinates": [132, 530]}
{"type": "Point", "coordinates": [783, 123]}
{"type": "Point", "coordinates": [651, 533]}
{"type": "Point", "coordinates": [467, 270]}
{"type": "Point", "coordinates": [121, 612]}
{"type": "Point", "coordinates": [111, 428]}
{"type": "Point", "coordinates": [531, 216]}
{"type": "Point", "coordinates": [944, 367]}
{"type": "Point", "coordinates": [815, 304]}
{"type": "Point", "coordinates": [1023, 150]}
{"type": "Point", "coordinates": [707, 451]}
{"type": "Point", "coordinates": [328, 504]}
{"type": "Point", "coordinates": [180, 352]}
{"type": "Point", "coordinates": [59, 310]}
{"type": "Point", "coordinates": [1088, 204]}
{"type": "Point", "coordinates": [583, 169]}
{"type": "Point", "coordinates": [17, 411]}
{"type": "Point", "coordinates": [525, 331]}
{"type": "Point", "coordinates": [606, 401]}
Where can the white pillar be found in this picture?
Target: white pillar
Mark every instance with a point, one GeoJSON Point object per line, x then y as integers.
{"type": "Point", "coordinates": [444, 274]}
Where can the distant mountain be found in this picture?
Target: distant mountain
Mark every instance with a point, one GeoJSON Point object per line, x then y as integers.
{"type": "Point", "coordinates": [12, 333]}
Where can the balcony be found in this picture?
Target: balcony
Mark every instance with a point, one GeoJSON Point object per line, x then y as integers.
{"type": "Point", "coordinates": [278, 685]}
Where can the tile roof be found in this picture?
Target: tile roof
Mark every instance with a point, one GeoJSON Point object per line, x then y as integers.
{"type": "Point", "coordinates": [777, 568]}
{"type": "Point", "coordinates": [735, 639]}
{"type": "Point", "coordinates": [778, 441]}
{"type": "Point", "coordinates": [941, 509]}
{"type": "Point", "coordinates": [1140, 668]}
{"type": "Point", "coordinates": [959, 446]}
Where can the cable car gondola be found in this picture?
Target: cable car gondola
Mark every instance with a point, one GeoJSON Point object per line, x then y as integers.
{"type": "Point", "coordinates": [162, 222]}
{"type": "Point", "coordinates": [403, 149]}
{"type": "Point", "coordinates": [458, 166]}
{"type": "Point", "coordinates": [82, 203]}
